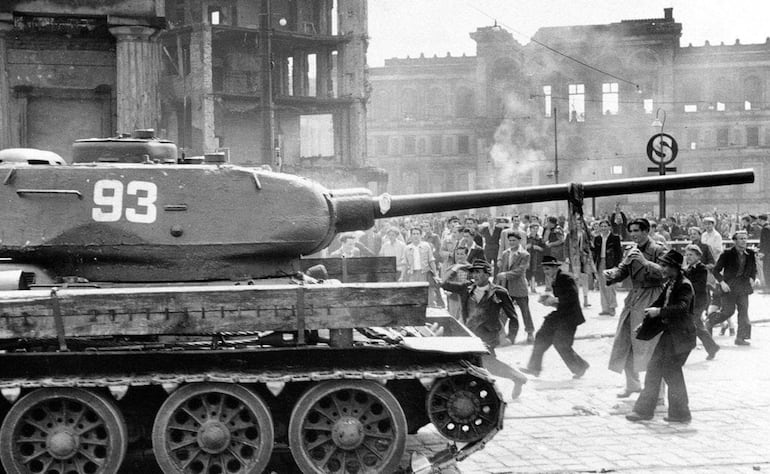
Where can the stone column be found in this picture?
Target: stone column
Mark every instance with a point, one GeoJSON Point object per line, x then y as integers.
{"type": "Point", "coordinates": [138, 75]}
{"type": "Point", "coordinates": [6, 25]}
{"type": "Point", "coordinates": [352, 74]}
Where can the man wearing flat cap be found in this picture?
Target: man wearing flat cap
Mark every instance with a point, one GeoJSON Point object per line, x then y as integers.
{"type": "Point", "coordinates": [480, 303]}
{"type": "Point", "coordinates": [674, 307]}
{"type": "Point", "coordinates": [560, 325]}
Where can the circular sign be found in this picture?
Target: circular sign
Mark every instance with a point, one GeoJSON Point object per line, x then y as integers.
{"type": "Point", "coordinates": [662, 149]}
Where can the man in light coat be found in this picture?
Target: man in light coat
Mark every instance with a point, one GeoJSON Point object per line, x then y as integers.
{"type": "Point", "coordinates": [640, 263]}
{"type": "Point", "coordinates": [513, 265]}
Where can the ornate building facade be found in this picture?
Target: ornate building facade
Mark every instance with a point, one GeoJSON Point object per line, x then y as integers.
{"type": "Point", "coordinates": [520, 108]}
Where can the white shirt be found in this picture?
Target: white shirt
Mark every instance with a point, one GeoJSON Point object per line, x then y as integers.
{"type": "Point", "coordinates": [416, 258]}
{"type": "Point", "coordinates": [478, 292]}
{"type": "Point", "coordinates": [714, 240]}
{"type": "Point", "coordinates": [605, 238]}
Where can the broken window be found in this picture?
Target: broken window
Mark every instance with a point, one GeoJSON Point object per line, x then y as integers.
{"type": "Point", "coordinates": [577, 103]}
{"type": "Point", "coordinates": [610, 98]}
{"type": "Point", "coordinates": [215, 15]}
{"type": "Point", "coordinates": [752, 93]}
{"type": "Point", "coordinates": [312, 74]}
{"type": "Point", "coordinates": [648, 106]}
{"type": "Point", "coordinates": [316, 135]}
{"type": "Point", "coordinates": [547, 100]}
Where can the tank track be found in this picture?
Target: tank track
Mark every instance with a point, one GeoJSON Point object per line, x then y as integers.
{"type": "Point", "coordinates": [118, 385]}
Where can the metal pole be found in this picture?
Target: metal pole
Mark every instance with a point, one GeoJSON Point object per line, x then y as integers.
{"type": "Point", "coordinates": [268, 107]}
{"type": "Point", "coordinates": [555, 149]}
{"type": "Point", "coordinates": [662, 198]}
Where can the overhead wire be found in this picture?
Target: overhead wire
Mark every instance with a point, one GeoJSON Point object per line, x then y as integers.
{"type": "Point", "coordinates": [556, 51]}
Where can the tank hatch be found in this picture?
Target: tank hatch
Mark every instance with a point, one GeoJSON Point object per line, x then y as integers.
{"type": "Point", "coordinates": [139, 147]}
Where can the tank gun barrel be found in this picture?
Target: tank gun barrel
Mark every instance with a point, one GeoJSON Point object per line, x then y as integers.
{"type": "Point", "coordinates": [395, 206]}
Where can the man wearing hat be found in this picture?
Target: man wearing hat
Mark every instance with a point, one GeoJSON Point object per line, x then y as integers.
{"type": "Point", "coordinates": [631, 355]}
{"type": "Point", "coordinates": [480, 303]}
{"type": "Point", "coordinates": [560, 325]}
{"type": "Point", "coordinates": [674, 307]}
{"type": "Point", "coordinates": [697, 273]}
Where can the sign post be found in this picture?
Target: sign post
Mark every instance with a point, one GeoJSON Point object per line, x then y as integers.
{"type": "Point", "coordinates": [662, 150]}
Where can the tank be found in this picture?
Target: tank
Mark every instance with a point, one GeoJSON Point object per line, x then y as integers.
{"type": "Point", "coordinates": [153, 314]}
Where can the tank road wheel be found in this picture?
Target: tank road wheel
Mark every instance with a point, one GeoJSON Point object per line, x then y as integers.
{"type": "Point", "coordinates": [213, 428]}
{"type": "Point", "coordinates": [63, 431]}
{"type": "Point", "coordinates": [347, 426]}
{"type": "Point", "coordinates": [463, 408]}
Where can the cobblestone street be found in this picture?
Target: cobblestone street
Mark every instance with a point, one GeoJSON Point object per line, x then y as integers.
{"type": "Point", "coordinates": [565, 425]}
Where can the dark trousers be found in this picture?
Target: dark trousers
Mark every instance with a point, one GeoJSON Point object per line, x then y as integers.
{"type": "Point", "coordinates": [561, 336]}
{"type": "Point", "coordinates": [702, 333]}
{"type": "Point", "coordinates": [665, 365]}
{"type": "Point", "coordinates": [526, 316]}
{"type": "Point", "coordinates": [766, 271]}
{"type": "Point", "coordinates": [730, 301]}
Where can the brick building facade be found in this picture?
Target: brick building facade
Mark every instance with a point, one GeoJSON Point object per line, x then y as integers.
{"type": "Point", "coordinates": [506, 101]}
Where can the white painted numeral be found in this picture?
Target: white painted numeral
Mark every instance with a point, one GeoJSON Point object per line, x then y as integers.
{"type": "Point", "coordinates": [108, 195]}
{"type": "Point", "coordinates": [145, 211]}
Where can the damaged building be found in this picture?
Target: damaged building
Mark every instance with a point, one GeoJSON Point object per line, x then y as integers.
{"type": "Point", "coordinates": [269, 82]}
{"type": "Point", "coordinates": [528, 104]}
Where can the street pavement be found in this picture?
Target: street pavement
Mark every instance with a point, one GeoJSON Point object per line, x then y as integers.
{"type": "Point", "coordinates": [564, 425]}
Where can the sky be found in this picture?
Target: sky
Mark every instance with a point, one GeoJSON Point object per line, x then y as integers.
{"type": "Point", "coordinates": [400, 28]}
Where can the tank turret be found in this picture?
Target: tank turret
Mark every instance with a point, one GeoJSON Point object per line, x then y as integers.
{"type": "Point", "coordinates": [142, 220]}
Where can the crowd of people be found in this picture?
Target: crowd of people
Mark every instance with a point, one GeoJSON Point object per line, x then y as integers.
{"type": "Point", "coordinates": [690, 273]}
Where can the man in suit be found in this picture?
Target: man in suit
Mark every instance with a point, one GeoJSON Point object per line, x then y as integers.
{"type": "Point", "coordinates": [735, 271]}
{"type": "Point", "coordinates": [674, 306]}
{"type": "Point", "coordinates": [560, 325]}
{"type": "Point", "coordinates": [481, 302]}
{"type": "Point", "coordinates": [697, 273]}
{"type": "Point", "coordinates": [513, 265]}
{"type": "Point", "coordinates": [607, 253]}
{"type": "Point", "coordinates": [468, 240]}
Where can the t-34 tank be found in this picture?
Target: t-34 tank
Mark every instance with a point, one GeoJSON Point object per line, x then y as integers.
{"type": "Point", "coordinates": [123, 328]}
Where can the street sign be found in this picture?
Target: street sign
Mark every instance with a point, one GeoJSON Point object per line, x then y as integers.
{"type": "Point", "coordinates": [662, 149]}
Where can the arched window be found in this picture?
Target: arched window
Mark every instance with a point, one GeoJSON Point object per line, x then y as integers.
{"type": "Point", "coordinates": [722, 95]}
{"type": "Point", "coordinates": [410, 107]}
{"type": "Point", "coordinates": [464, 106]}
{"type": "Point", "coordinates": [435, 103]}
{"type": "Point", "coordinates": [753, 93]}
{"type": "Point", "coordinates": [380, 106]}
